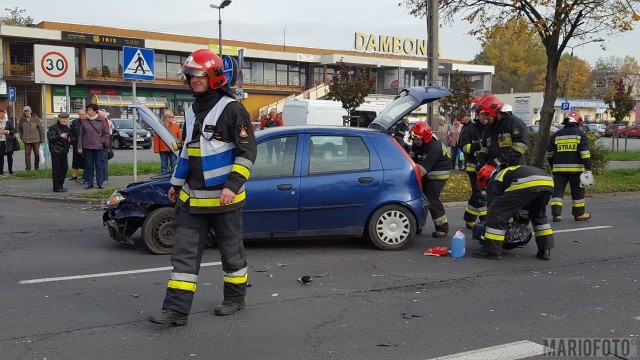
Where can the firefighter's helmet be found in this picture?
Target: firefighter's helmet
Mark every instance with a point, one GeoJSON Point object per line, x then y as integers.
{"type": "Point", "coordinates": [484, 175]}
{"type": "Point", "coordinates": [490, 104]}
{"type": "Point", "coordinates": [573, 117]}
{"type": "Point", "coordinates": [202, 62]}
{"type": "Point", "coordinates": [422, 130]}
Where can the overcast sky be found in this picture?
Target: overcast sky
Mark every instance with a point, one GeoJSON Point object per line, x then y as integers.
{"type": "Point", "coordinates": [329, 24]}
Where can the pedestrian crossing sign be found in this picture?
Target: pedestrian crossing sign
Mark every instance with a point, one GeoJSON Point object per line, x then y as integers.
{"type": "Point", "coordinates": [139, 63]}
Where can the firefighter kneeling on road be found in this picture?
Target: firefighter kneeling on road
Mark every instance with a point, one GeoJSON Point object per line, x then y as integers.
{"type": "Point", "coordinates": [208, 183]}
{"type": "Point", "coordinates": [509, 190]}
{"type": "Point", "coordinates": [569, 158]}
{"type": "Point", "coordinates": [435, 164]}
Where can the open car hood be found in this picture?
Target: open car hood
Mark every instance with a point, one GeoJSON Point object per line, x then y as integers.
{"type": "Point", "coordinates": [408, 100]}
{"type": "Point", "coordinates": [145, 114]}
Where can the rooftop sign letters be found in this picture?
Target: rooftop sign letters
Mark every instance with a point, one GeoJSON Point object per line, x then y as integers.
{"type": "Point", "coordinates": [390, 45]}
{"type": "Point", "coordinates": [101, 39]}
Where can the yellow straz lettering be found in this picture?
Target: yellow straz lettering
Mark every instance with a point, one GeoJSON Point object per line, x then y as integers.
{"type": "Point", "coordinates": [567, 147]}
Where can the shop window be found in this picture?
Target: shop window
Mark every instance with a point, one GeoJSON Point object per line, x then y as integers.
{"type": "Point", "coordinates": [94, 60]}
{"type": "Point", "coordinates": [257, 72]}
{"type": "Point", "coordinates": [269, 73]}
{"type": "Point", "coordinates": [160, 65]}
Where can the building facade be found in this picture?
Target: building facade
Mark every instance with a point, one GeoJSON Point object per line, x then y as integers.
{"type": "Point", "coordinates": [269, 72]}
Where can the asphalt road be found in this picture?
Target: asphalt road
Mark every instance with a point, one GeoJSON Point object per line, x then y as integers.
{"type": "Point", "coordinates": [67, 291]}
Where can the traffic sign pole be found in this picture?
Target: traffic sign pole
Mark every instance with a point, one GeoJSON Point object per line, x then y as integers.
{"type": "Point", "coordinates": [135, 133]}
{"type": "Point", "coordinates": [44, 118]}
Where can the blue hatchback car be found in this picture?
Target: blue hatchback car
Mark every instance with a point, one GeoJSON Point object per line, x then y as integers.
{"type": "Point", "coordinates": [306, 182]}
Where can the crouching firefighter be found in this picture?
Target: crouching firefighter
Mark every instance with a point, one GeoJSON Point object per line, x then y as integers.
{"type": "Point", "coordinates": [209, 187]}
{"type": "Point", "coordinates": [509, 190]}
{"type": "Point", "coordinates": [435, 164]}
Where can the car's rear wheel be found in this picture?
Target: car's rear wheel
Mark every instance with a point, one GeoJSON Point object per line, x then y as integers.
{"type": "Point", "coordinates": [391, 227]}
{"type": "Point", "coordinates": [158, 231]}
{"type": "Point", "coordinates": [117, 144]}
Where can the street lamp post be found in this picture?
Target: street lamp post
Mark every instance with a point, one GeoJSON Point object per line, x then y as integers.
{"type": "Point", "coordinates": [222, 5]}
{"type": "Point", "coordinates": [566, 84]}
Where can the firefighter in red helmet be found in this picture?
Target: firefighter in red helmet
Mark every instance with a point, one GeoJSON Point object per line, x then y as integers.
{"type": "Point", "coordinates": [569, 157]}
{"type": "Point", "coordinates": [435, 164]}
{"type": "Point", "coordinates": [506, 138]}
{"type": "Point", "coordinates": [208, 187]}
{"type": "Point", "coordinates": [470, 144]}
{"type": "Point", "coordinates": [509, 190]}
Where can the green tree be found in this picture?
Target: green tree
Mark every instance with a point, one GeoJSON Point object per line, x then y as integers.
{"type": "Point", "coordinates": [16, 17]}
{"type": "Point", "coordinates": [350, 86]}
{"type": "Point", "coordinates": [516, 53]}
{"type": "Point", "coordinates": [459, 102]}
{"type": "Point", "coordinates": [580, 83]}
{"type": "Point", "coordinates": [619, 100]}
{"type": "Point", "coordinates": [557, 23]}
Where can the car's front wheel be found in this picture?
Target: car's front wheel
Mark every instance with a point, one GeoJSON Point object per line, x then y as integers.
{"type": "Point", "coordinates": [391, 227]}
{"type": "Point", "coordinates": [158, 231]}
{"type": "Point", "coordinates": [116, 144]}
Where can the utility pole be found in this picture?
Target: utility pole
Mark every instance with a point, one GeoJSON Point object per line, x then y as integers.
{"type": "Point", "coordinates": [432, 56]}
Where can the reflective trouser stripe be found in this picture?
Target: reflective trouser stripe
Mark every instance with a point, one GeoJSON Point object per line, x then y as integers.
{"type": "Point", "coordinates": [577, 203]}
{"type": "Point", "coordinates": [236, 279]}
{"type": "Point", "coordinates": [494, 234]}
{"type": "Point", "coordinates": [556, 201]}
{"type": "Point", "coordinates": [181, 285]}
{"type": "Point", "coordinates": [542, 230]}
{"type": "Point", "coordinates": [441, 221]}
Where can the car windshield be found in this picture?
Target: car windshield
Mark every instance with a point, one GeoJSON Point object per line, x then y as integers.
{"type": "Point", "coordinates": [124, 124]}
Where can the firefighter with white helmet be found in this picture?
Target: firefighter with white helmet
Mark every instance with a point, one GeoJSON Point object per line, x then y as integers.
{"type": "Point", "coordinates": [208, 185]}
{"type": "Point", "coordinates": [434, 161]}
{"type": "Point", "coordinates": [569, 158]}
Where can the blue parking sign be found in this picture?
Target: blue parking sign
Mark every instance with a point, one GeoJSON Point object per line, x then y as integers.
{"type": "Point", "coordinates": [11, 92]}
{"type": "Point", "coordinates": [565, 106]}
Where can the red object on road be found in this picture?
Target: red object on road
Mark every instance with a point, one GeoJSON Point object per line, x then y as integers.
{"type": "Point", "coordinates": [437, 251]}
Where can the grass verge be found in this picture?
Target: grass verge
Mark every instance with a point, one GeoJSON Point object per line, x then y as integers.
{"type": "Point", "coordinates": [623, 156]}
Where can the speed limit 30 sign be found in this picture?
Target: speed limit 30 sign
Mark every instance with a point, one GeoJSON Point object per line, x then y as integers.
{"type": "Point", "coordinates": [54, 65]}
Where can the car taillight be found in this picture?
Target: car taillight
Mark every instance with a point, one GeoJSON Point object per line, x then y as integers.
{"type": "Point", "coordinates": [416, 170]}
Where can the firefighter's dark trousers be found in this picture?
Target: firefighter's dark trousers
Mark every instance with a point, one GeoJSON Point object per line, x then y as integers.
{"type": "Point", "coordinates": [477, 204]}
{"type": "Point", "coordinates": [432, 190]}
{"type": "Point", "coordinates": [192, 231]}
{"type": "Point", "coordinates": [508, 205]}
{"type": "Point", "coordinates": [560, 181]}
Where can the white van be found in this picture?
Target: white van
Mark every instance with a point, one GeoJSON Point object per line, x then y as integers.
{"type": "Point", "coordinates": [325, 112]}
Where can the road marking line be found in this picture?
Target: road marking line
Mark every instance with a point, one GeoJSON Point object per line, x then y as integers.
{"type": "Point", "coordinates": [77, 277]}
{"type": "Point", "coordinates": [511, 351]}
{"type": "Point", "coordinates": [582, 229]}
{"type": "Point", "coordinates": [637, 318]}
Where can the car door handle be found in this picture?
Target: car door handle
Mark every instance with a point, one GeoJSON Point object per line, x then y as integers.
{"type": "Point", "coordinates": [365, 180]}
{"type": "Point", "coordinates": [285, 187]}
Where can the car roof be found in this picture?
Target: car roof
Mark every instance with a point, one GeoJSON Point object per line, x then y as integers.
{"type": "Point", "coordinates": [329, 130]}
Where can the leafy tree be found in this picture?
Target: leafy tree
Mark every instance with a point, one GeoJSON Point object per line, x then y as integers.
{"type": "Point", "coordinates": [619, 100]}
{"type": "Point", "coordinates": [614, 67]}
{"type": "Point", "coordinates": [557, 23]}
{"type": "Point", "coordinates": [459, 102]}
{"type": "Point", "coordinates": [350, 86]}
{"type": "Point", "coordinates": [580, 83]}
{"type": "Point", "coordinates": [16, 17]}
{"type": "Point", "coordinates": [516, 53]}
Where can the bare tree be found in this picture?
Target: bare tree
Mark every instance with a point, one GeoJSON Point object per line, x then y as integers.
{"type": "Point", "coordinates": [558, 23]}
{"type": "Point", "coordinates": [16, 17]}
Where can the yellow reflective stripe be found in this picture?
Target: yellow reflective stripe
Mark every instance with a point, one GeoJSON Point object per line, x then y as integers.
{"type": "Point", "coordinates": [437, 177]}
{"type": "Point", "coordinates": [567, 141]}
{"type": "Point", "coordinates": [195, 202]}
{"type": "Point", "coordinates": [558, 203]}
{"type": "Point", "coordinates": [577, 205]}
{"type": "Point", "coordinates": [471, 168]}
{"type": "Point", "coordinates": [236, 279]}
{"type": "Point", "coordinates": [545, 232]}
{"type": "Point", "coordinates": [567, 169]}
{"type": "Point", "coordinates": [241, 169]}
{"type": "Point", "coordinates": [181, 285]}
{"type": "Point", "coordinates": [193, 151]}
{"type": "Point", "coordinates": [467, 149]}
{"type": "Point", "coordinates": [585, 156]}
{"type": "Point", "coordinates": [472, 212]}
{"type": "Point", "coordinates": [490, 236]}
{"type": "Point", "coordinates": [530, 184]}
{"type": "Point", "coordinates": [482, 213]}
{"type": "Point", "coordinates": [519, 149]}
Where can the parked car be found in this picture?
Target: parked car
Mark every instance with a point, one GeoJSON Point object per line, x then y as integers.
{"type": "Point", "coordinates": [633, 131]}
{"type": "Point", "coordinates": [592, 129]}
{"type": "Point", "coordinates": [326, 181]}
{"type": "Point", "coordinates": [533, 128]}
{"type": "Point", "coordinates": [620, 131]}
{"type": "Point", "coordinates": [123, 134]}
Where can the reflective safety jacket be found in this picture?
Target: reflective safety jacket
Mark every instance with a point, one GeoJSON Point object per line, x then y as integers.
{"type": "Point", "coordinates": [504, 142]}
{"type": "Point", "coordinates": [434, 158]}
{"type": "Point", "coordinates": [470, 143]}
{"type": "Point", "coordinates": [221, 156]}
{"type": "Point", "coordinates": [568, 150]}
{"type": "Point", "coordinates": [519, 178]}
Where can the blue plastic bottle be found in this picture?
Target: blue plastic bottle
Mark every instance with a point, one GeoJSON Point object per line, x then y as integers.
{"type": "Point", "coordinates": [458, 244]}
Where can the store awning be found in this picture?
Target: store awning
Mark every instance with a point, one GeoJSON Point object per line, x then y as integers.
{"type": "Point", "coordinates": [600, 111]}
{"type": "Point", "coordinates": [120, 101]}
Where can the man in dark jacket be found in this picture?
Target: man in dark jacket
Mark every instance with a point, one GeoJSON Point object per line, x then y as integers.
{"type": "Point", "coordinates": [569, 156]}
{"type": "Point", "coordinates": [77, 161]}
{"type": "Point", "coordinates": [209, 187]}
{"type": "Point", "coordinates": [508, 191]}
{"type": "Point", "coordinates": [470, 144]}
{"type": "Point", "coordinates": [435, 164]}
{"type": "Point", "coordinates": [58, 136]}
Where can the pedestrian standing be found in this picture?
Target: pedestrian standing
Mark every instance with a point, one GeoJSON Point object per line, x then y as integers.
{"type": "Point", "coordinates": [105, 173]}
{"type": "Point", "coordinates": [92, 141]}
{"type": "Point", "coordinates": [454, 137]}
{"type": "Point", "coordinates": [209, 187]}
{"type": "Point", "coordinates": [77, 161]}
{"type": "Point", "coordinates": [7, 137]}
{"type": "Point", "coordinates": [32, 134]}
{"type": "Point", "coordinates": [167, 157]}
{"type": "Point", "coordinates": [59, 143]}
{"type": "Point", "coordinates": [442, 134]}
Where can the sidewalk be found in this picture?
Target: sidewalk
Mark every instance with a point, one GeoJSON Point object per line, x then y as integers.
{"type": "Point", "coordinates": [43, 188]}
